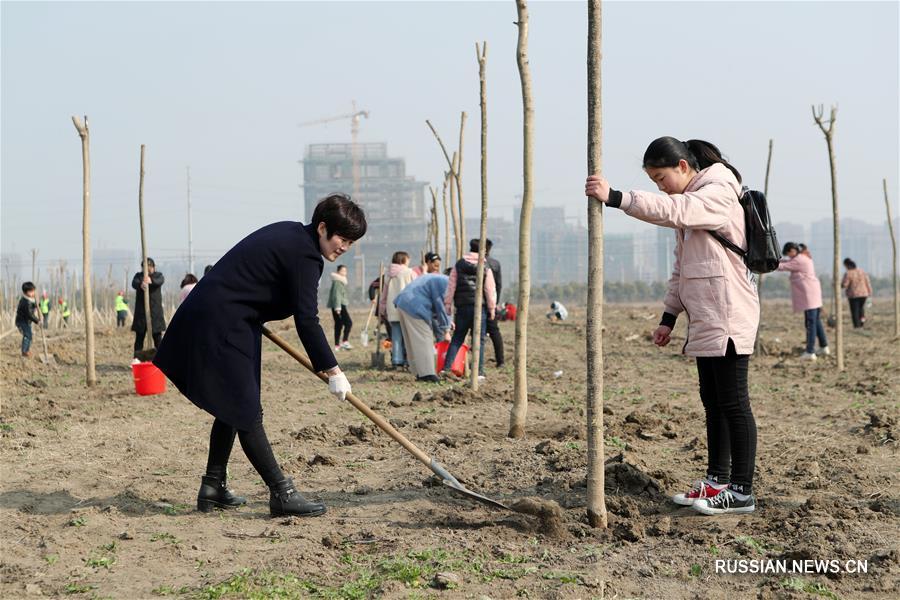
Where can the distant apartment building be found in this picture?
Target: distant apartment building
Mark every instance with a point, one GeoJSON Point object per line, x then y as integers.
{"type": "Point", "coordinates": [394, 202]}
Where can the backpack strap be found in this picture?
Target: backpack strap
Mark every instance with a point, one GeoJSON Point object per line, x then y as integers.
{"type": "Point", "coordinates": [728, 243]}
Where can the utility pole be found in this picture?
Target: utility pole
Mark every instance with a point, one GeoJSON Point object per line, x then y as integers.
{"type": "Point", "coordinates": [34, 254]}
{"type": "Point", "coordinates": [190, 225]}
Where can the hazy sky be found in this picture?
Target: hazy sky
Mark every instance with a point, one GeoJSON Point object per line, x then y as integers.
{"type": "Point", "coordinates": [222, 86]}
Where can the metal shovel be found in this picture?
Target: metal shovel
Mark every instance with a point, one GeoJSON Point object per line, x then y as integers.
{"type": "Point", "coordinates": [436, 467]}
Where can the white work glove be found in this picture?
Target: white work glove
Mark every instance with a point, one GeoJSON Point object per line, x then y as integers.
{"type": "Point", "coordinates": [339, 386]}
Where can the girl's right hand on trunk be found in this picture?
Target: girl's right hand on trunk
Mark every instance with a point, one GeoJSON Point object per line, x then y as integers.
{"type": "Point", "coordinates": [661, 336]}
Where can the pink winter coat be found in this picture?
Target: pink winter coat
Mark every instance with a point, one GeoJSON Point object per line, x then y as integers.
{"type": "Point", "coordinates": [709, 283]}
{"type": "Point", "coordinates": [806, 291]}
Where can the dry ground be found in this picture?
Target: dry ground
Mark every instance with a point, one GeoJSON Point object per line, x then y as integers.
{"type": "Point", "coordinates": [98, 485]}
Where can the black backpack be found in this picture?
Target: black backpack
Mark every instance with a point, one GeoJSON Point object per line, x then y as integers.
{"type": "Point", "coordinates": [762, 253]}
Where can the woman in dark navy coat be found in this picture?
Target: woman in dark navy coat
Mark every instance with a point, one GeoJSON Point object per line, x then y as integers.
{"type": "Point", "coordinates": [213, 347]}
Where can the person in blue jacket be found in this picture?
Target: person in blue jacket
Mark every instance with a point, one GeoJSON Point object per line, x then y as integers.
{"type": "Point", "coordinates": [422, 312]}
{"type": "Point", "coordinates": [212, 350]}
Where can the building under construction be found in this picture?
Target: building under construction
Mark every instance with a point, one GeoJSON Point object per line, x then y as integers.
{"type": "Point", "coordinates": [394, 202]}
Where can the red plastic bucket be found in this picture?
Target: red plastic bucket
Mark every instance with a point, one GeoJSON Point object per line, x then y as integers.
{"type": "Point", "coordinates": [148, 380]}
{"type": "Point", "coordinates": [458, 367]}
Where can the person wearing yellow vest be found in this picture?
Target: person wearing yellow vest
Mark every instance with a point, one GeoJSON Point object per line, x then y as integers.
{"type": "Point", "coordinates": [64, 311]}
{"type": "Point", "coordinates": [121, 309]}
{"type": "Point", "coordinates": [45, 309]}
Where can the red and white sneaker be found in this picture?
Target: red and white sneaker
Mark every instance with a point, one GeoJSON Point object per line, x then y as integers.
{"type": "Point", "coordinates": [704, 488]}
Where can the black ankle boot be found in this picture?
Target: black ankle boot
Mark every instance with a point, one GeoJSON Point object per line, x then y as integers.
{"type": "Point", "coordinates": [215, 494]}
{"type": "Point", "coordinates": [286, 501]}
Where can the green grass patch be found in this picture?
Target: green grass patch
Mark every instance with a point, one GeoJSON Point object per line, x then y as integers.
{"type": "Point", "coordinates": [165, 537]}
{"type": "Point", "coordinates": [562, 577]}
{"type": "Point", "coordinates": [750, 543]}
{"type": "Point", "coordinates": [615, 441]}
{"type": "Point", "coordinates": [696, 570]}
{"type": "Point", "coordinates": [169, 590]}
{"type": "Point", "coordinates": [77, 522]}
{"type": "Point", "coordinates": [77, 588]}
{"type": "Point", "coordinates": [815, 588]}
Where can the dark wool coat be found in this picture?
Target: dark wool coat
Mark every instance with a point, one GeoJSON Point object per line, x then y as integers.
{"type": "Point", "coordinates": [212, 350]}
{"type": "Point", "coordinates": [139, 321]}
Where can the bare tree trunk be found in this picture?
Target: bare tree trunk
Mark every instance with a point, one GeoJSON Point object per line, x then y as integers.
{"type": "Point", "coordinates": [887, 205]}
{"type": "Point", "coordinates": [836, 282]}
{"type": "Point", "coordinates": [446, 218]}
{"type": "Point", "coordinates": [759, 282]}
{"type": "Point", "coordinates": [454, 210]}
{"type": "Point", "coordinates": [596, 500]}
{"type": "Point", "coordinates": [453, 165]}
{"type": "Point", "coordinates": [481, 56]}
{"type": "Point", "coordinates": [90, 365]}
{"type": "Point", "coordinates": [433, 222]}
{"type": "Point", "coordinates": [520, 380]}
{"type": "Point", "coordinates": [148, 333]}
{"type": "Point", "coordinates": [459, 187]}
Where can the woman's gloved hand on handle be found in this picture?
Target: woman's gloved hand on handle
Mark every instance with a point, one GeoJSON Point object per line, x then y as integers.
{"type": "Point", "coordinates": [338, 384]}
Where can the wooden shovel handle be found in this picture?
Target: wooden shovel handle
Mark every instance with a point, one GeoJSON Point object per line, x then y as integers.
{"type": "Point", "coordinates": [356, 402]}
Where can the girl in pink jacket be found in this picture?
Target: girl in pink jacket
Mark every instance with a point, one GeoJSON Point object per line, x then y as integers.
{"type": "Point", "coordinates": [806, 295]}
{"type": "Point", "coordinates": [714, 288]}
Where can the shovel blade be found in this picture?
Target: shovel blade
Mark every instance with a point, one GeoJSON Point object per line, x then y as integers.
{"type": "Point", "coordinates": [464, 491]}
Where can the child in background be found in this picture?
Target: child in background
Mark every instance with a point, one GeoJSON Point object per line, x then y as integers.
{"type": "Point", "coordinates": [187, 284]}
{"type": "Point", "coordinates": [64, 311]}
{"type": "Point", "coordinates": [806, 296]}
{"type": "Point", "coordinates": [121, 309]}
{"type": "Point", "coordinates": [337, 302]}
{"type": "Point", "coordinates": [858, 288]}
{"type": "Point", "coordinates": [422, 313]}
{"type": "Point", "coordinates": [461, 294]}
{"type": "Point", "coordinates": [399, 276]}
{"type": "Point", "coordinates": [26, 314]}
{"type": "Point", "coordinates": [557, 312]}
{"type": "Point", "coordinates": [45, 309]}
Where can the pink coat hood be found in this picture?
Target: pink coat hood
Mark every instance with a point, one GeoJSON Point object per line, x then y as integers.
{"type": "Point", "coordinates": [709, 283]}
{"type": "Point", "coordinates": [397, 278]}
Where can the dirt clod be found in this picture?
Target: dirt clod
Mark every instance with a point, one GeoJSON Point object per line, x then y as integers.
{"type": "Point", "coordinates": [549, 514]}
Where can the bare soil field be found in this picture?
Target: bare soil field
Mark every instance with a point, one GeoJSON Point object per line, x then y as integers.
{"type": "Point", "coordinates": [99, 486]}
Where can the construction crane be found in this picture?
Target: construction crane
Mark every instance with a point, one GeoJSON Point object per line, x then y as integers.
{"type": "Point", "coordinates": [354, 116]}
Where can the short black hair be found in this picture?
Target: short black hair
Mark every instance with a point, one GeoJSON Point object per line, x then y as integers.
{"type": "Point", "coordinates": [339, 267]}
{"type": "Point", "coordinates": [849, 263]}
{"type": "Point", "coordinates": [207, 269]}
{"type": "Point", "coordinates": [189, 279]}
{"type": "Point", "coordinates": [788, 247]}
{"type": "Point", "coordinates": [432, 256]}
{"type": "Point", "coordinates": [341, 216]}
{"type": "Point", "coordinates": [150, 263]}
{"type": "Point", "coordinates": [474, 243]}
{"type": "Point", "coordinates": [27, 287]}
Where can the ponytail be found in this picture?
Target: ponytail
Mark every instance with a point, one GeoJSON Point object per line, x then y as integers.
{"type": "Point", "coordinates": [668, 151]}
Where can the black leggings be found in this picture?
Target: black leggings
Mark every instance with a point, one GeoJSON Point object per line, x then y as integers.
{"type": "Point", "coordinates": [139, 340]}
{"type": "Point", "coordinates": [493, 330]}
{"type": "Point", "coordinates": [730, 426]}
{"type": "Point", "coordinates": [341, 320]}
{"type": "Point", "coordinates": [255, 444]}
{"type": "Point", "coordinates": [858, 311]}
